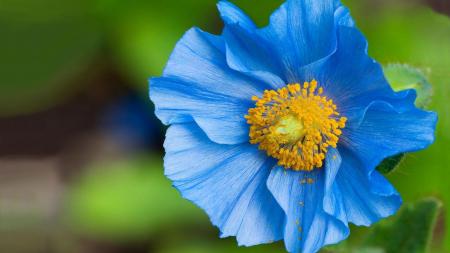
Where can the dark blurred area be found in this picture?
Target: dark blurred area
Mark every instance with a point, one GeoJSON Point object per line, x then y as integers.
{"type": "Point", "coordinates": [442, 6]}
{"type": "Point", "coordinates": [81, 150]}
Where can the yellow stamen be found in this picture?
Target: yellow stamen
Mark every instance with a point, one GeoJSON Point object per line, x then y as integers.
{"type": "Point", "coordinates": [295, 124]}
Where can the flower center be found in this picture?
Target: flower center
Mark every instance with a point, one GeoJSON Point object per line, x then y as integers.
{"type": "Point", "coordinates": [295, 124]}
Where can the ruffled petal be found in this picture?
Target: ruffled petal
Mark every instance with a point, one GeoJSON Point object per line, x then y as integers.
{"type": "Point", "coordinates": [291, 40]}
{"type": "Point", "coordinates": [300, 32]}
{"type": "Point", "coordinates": [221, 117]}
{"type": "Point", "coordinates": [342, 16]}
{"type": "Point", "coordinates": [227, 181]}
{"type": "Point", "coordinates": [352, 88]}
{"type": "Point", "coordinates": [231, 14]}
{"type": "Point", "coordinates": [387, 130]}
{"type": "Point", "coordinates": [246, 51]}
{"type": "Point", "coordinates": [308, 227]}
{"type": "Point", "coordinates": [249, 54]}
{"type": "Point", "coordinates": [353, 190]}
{"type": "Point", "coordinates": [349, 86]}
{"type": "Point", "coordinates": [199, 59]}
{"type": "Point", "coordinates": [198, 85]}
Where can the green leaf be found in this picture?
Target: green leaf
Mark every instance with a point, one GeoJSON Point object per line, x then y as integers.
{"type": "Point", "coordinates": [390, 164]}
{"type": "Point", "coordinates": [408, 232]}
{"type": "Point", "coordinates": [402, 77]}
{"type": "Point", "coordinates": [127, 200]}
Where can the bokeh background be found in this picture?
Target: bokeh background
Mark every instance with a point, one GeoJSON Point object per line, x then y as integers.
{"type": "Point", "coordinates": [81, 151]}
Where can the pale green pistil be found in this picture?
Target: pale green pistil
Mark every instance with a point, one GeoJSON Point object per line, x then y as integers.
{"type": "Point", "coordinates": [291, 128]}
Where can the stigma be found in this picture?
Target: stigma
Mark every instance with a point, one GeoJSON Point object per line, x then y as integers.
{"type": "Point", "coordinates": [296, 125]}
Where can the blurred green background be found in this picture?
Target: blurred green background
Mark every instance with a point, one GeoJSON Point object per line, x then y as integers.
{"type": "Point", "coordinates": [80, 150]}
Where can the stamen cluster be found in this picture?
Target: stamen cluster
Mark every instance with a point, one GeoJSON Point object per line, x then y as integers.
{"type": "Point", "coordinates": [296, 125]}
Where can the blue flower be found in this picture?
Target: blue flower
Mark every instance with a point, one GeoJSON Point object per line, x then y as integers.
{"type": "Point", "coordinates": [276, 132]}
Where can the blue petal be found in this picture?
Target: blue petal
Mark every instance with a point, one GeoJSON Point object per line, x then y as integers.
{"type": "Point", "coordinates": [387, 130]}
{"type": "Point", "coordinates": [231, 14]}
{"type": "Point", "coordinates": [354, 190]}
{"type": "Point", "coordinates": [246, 51]}
{"type": "Point", "coordinates": [301, 32]}
{"type": "Point", "coordinates": [248, 54]}
{"type": "Point", "coordinates": [349, 73]}
{"type": "Point", "coordinates": [332, 163]}
{"type": "Point", "coordinates": [342, 17]}
{"type": "Point", "coordinates": [221, 117]}
{"type": "Point", "coordinates": [308, 227]}
{"type": "Point", "coordinates": [332, 202]}
{"type": "Point", "coordinates": [227, 181]}
{"type": "Point", "coordinates": [402, 101]}
{"type": "Point", "coordinates": [351, 78]}
{"type": "Point", "coordinates": [199, 59]}
{"type": "Point", "coordinates": [198, 85]}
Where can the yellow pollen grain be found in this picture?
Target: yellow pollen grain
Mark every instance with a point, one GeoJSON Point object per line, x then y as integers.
{"type": "Point", "coordinates": [296, 125]}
